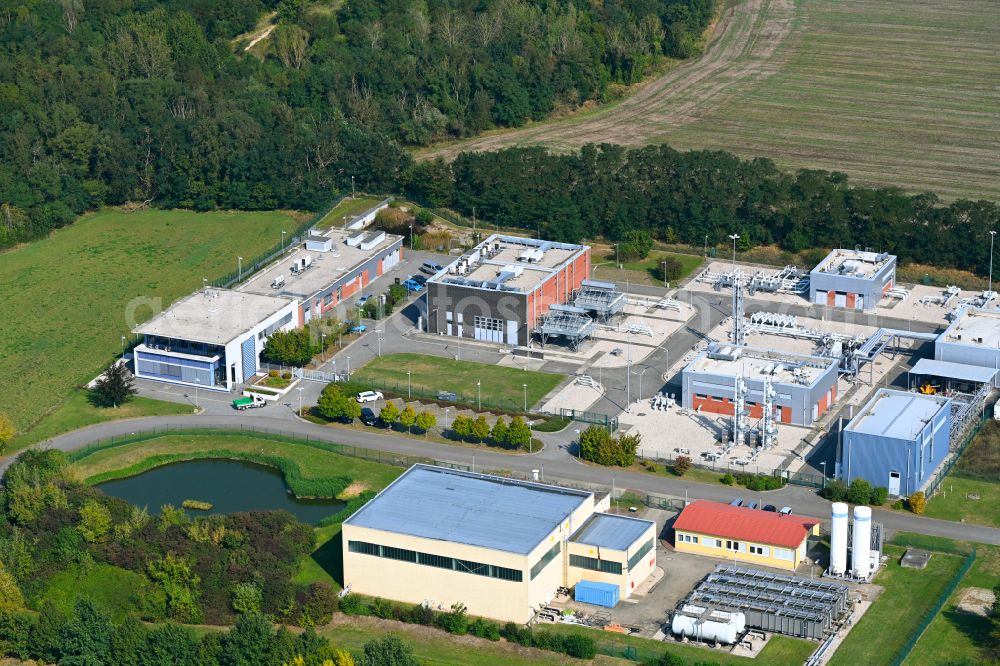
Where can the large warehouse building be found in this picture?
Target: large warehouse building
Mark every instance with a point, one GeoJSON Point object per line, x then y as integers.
{"type": "Point", "coordinates": [500, 290]}
{"type": "Point", "coordinates": [973, 338]}
{"type": "Point", "coordinates": [897, 441]}
{"type": "Point", "coordinates": [332, 267]}
{"type": "Point", "coordinates": [499, 546]}
{"type": "Point", "coordinates": [743, 534]}
{"type": "Point", "coordinates": [806, 386]}
{"type": "Point", "coordinates": [212, 338]}
{"type": "Point", "coordinates": [852, 279]}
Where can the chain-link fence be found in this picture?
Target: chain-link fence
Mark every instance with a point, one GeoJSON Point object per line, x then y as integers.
{"type": "Point", "coordinates": [945, 469]}
{"type": "Point", "coordinates": [938, 605]}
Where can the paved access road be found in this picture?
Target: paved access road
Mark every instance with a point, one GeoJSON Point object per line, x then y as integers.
{"type": "Point", "coordinates": [554, 462]}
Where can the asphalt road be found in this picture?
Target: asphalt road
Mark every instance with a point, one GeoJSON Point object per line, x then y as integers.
{"type": "Point", "coordinates": [555, 462]}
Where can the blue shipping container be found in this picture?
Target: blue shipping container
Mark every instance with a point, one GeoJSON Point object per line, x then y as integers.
{"type": "Point", "coordinates": [599, 594]}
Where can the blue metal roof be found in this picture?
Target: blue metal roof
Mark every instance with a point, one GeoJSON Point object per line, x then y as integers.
{"type": "Point", "coordinates": [472, 509]}
{"type": "Point", "coordinates": [949, 370]}
{"type": "Point", "coordinates": [897, 414]}
{"type": "Point", "coordinates": [607, 530]}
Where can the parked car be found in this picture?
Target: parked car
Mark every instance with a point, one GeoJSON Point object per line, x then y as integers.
{"type": "Point", "coordinates": [447, 395]}
{"type": "Point", "coordinates": [419, 279]}
{"type": "Point", "coordinates": [360, 328]}
{"type": "Point", "coordinates": [753, 505]}
{"type": "Point", "coordinates": [431, 267]}
{"type": "Point", "coordinates": [364, 299]}
{"type": "Point", "coordinates": [736, 502]}
{"type": "Point", "coordinates": [368, 416]}
{"type": "Point", "coordinates": [412, 286]}
{"type": "Point", "coordinates": [771, 508]}
{"type": "Point", "coordinates": [369, 396]}
{"type": "Point", "coordinates": [785, 510]}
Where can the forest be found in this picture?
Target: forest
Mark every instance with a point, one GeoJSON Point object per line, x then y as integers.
{"type": "Point", "coordinates": [104, 102]}
{"type": "Point", "coordinates": [701, 197]}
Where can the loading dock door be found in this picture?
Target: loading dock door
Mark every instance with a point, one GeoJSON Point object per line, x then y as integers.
{"type": "Point", "coordinates": [894, 484]}
{"type": "Point", "coordinates": [840, 300]}
{"type": "Point", "coordinates": [511, 332]}
{"type": "Point", "coordinates": [820, 298]}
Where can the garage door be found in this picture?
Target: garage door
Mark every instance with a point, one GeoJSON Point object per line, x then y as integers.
{"type": "Point", "coordinates": [249, 353]}
{"type": "Point", "coordinates": [820, 298]}
{"type": "Point", "coordinates": [840, 300]}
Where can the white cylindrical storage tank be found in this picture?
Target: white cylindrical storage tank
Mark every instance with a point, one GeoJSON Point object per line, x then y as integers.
{"type": "Point", "coordinates": [838, 539]}
{"type": "Point", "coordinates": [861, 542]}
{"type": "Point", "coordinates": [722, 628]}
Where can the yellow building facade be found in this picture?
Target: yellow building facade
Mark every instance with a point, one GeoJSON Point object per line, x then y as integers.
{"type": "Point", "coordinates": [500, 547]}
{"type": "Point", "coordinates": [744, 535]}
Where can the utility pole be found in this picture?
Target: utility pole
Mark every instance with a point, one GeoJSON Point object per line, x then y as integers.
{"type": "Point", "coordinates": [735, 238]}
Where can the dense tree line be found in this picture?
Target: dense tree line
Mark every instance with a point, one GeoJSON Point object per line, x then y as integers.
{"type": "Point", "coordinates": [703, 196]}
{"type": "Point", "coordinates": [107, 102]}
{"type": "Point", "coordinates": [208, 569]}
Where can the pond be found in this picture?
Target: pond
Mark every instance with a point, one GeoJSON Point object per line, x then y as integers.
{"type": "Point", "coordinates": [230, 485]}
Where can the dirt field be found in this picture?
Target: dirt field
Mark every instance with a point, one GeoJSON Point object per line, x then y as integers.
{"type": "Point", "coordinates": [888, 91]}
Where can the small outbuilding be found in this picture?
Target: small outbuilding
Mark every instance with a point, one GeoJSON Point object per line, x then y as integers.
{"type": "Point", "coordinates": [743, 534]}
{"type": "Point", "coordinates": [852, 279]}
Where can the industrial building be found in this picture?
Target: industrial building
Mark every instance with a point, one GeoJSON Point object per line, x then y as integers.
{"type": "Point", "coordinates": [852, 279]}
{"type": "Point", "coordinates": [768, 601]}
{"type": "Point", "coordinates": [897, 440]}
{"type": "Point", "coordinates": [330, 268]}
{"type": "Point", "coordinates": [502, 289]}
{"type": "Point", "coordinates": [499, 546]}
{"type": "Point", "coordinates": [212, 338]}
{"type": "Point", "coordinates": [973, 338]}
{"type": "Point", "coordinates": [747, 535]}
{"type": "Point", "coordinates": [805, 386]}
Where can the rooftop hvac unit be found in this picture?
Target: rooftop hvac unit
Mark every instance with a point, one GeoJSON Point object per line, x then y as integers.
{"type": "Point", "coordinates": [838, 539]}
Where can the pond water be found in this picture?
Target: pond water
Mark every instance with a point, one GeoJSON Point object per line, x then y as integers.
{"type": "Point", "coordinates": [230, 485]}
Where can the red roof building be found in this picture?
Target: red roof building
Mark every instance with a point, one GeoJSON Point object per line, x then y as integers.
{"type": "Point", "coordinates": [750, 535]}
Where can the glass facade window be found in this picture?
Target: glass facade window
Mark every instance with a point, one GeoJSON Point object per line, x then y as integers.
{"type": "Point", "coordinates": [594, 564]}
{"type": "Point", "coordinates": [437, 561]}
{"type": "Point", "coordinates": [639, 554]}
{"type": "Point", "coordinates": [545, 559]}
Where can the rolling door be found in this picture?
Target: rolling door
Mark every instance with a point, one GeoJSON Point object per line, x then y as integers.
{"type": "Point", "coordinates": [840, 300]}
{"type": "Point", "coordinates": [820, 298]}
{"type": "Point", "coordinates": [249, 358]}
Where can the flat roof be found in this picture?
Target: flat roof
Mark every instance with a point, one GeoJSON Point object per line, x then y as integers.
{"type": "Point", "coordinates": [467, 508]}
{"type": "Point", "coordinates": [213, 316]}
{"type": "Point", "coordinates": [949, 370]}
{"type": "Point", "coordinates": [897, 414]}
{"type": "Point", "coordinates": [487, 265]}
{"type": "Point", "coordinates": [854, 263]}
{"type": "Point", "coordinates": [606, 530]}
{"type": "Point", "coordinates": [739, 522]}
{"type": "Point", "coordinates": [755, 364]}
{"type": "Point", "coordinates": [326, 269]}
{"type": "Point", "coordinates": [975, 327]}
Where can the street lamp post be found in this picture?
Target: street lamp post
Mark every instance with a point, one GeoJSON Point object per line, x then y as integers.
{"type": "Point", "coordinates": [197, 383]}
{"type": "Point", "coordinates": [823, 465]}
{"type": "Point", "coordinates": [664, 262]}
{"type": "Point", "coordinates": [300, 402]}
{"type": "Point", "coordinates": [407, 384]}
{"type": "Point", "coordinates": [446, 419]}
{"type": "Point", "coordinates": [993, 235]}
{"type": "Point", "coordinates": [525, 387]}
{"type": "Point", "coordinates": [706, 246]}
{"type": "Point", "coordinates": [479, 395]}
{"type": "Point", "coordinates": [123, 348]}
{"type": "Point", "coordinates": [322, 343]}
{"type": "Point", "coordinates": [578, 449]}
{"type": "Point", "coordinates": [411, 237]}
{"type": "Point", "coordinates": [640, 380]}
{"type": "Point", "coordinates": [283, 232]}
{"type": "Point", "coordinates": [734, 237]}
{"type": "Point", "coordinates": [239, 270]}
{"type": "Point", "coordinates": [618, 259]}
{"type": "Point", "coordinates": [353, 195]}
{"type": "Point", "coordinates": [348, 368]}
{"type": "Point", "coordinates": [378, 334]}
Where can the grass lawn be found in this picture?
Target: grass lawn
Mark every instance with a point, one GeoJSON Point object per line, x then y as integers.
{"type": "Point", "coordinates": [908, 595]}
{"type": "Point", "coordinates": [501, 386]}
{"type": "Point", "coordinates": [69, 298]}
{"type": "Point", "coordinates": [115, 589]}
{"type": "Point", "coordinates": [326, 562]}
{"type": "Point", "coordinates": [433, 647]}
{"type": "Point", "coordinates": [954, 503]}
{"type": "Point", "coordinates": [314, 463]}
{"type": "Point", "coordinates": [780, 650]}
{"type": "Point", "coordinates": [77, 412]}
{"type": "Point", "coordinates": [956, 636]}
{"type": "Point", "coordinates": [348, 207]}
{"type": "Point", "coordinates": [644, 271]}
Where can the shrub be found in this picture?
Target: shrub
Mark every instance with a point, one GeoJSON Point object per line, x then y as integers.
{"type": "Point", "coordinates": [898, 505]}
{"type": "Point", "coordinates": [352, 604]}
{"type": "Point", "coordinates": [484, 629]}
{"type": "Point", "coordinates": [682, 465]}
{"type": "Point", "coordinates": [382, 608]}
{"type": "Point", "coordinates": [879, 496]}
{"type": "Point", "coordinates": [728, 479]}
{"type": "Point", "coordinates": [835, 491]}
{"type": "Point", "coordinates": [421, 615]}
{"type": "Point", "coordinates": [456, 622]}
{"type": "Point", "coordinates": [286, 375]}
{"type": "Point", "coordinates": [917, 503]}
{"type": "Point", "coordinates": [272, 373]}
{"type": "Point", "coordinates": [860, 492]}
{"type": "Point", "coordinates": [317, 603]}
{"type": "Point", "coordinates": [581, 647]}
